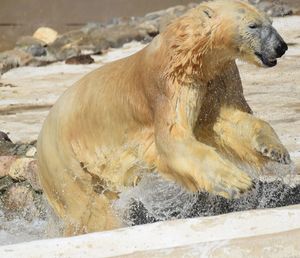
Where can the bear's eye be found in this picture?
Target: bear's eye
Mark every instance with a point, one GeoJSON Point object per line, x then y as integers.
{"type": "Point", "coordinates": [253, 26]}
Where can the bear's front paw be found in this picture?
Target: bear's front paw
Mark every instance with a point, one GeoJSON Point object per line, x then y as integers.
{"type": "Point", "coordinates": [273, 150]}
{"type": "Point", "coordinates": [231, 182]}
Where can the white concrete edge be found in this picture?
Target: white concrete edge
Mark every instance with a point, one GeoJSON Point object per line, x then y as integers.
{"type": "Point", "coordinates": [162, 235]}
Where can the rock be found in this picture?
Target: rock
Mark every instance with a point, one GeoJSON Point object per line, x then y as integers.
{"type": "Point", "coordinates": [274, 9]}
{"type": "Point", "coordinates": [16, 197]}
{"type": "Point", "coordinates": [162, 18]}
{"type": "Point", "coordinates": [13, 58]}
{"type": "Point", "coordinates": [19, 169]}
{"type": "Point", "coordinates": [4, 137]}
{"type": "Point", "coordinates": [67, 52]}
{"type": "Point", "coordinates": [28, 41]}
{"type": "Point", "coordinates": [280, 10]}
{"type": "Point", "coordinates": [6, 148]}
{"type": "Point", "coordinates": [32, 177]}
{"type": "Point", "coordinates": [21, 199]}
{"type": "Point", "coordinates": [155, 15]}
{"type": "Point", "coordinates": [95, 41]}
{"type": "Point", "coordinates": [171, 14]}
{"type": "Point", "coordinates": [20, 190]}
{"type": "Point", "coordinates": [66, 45]}
{"type": "Point", "coordinates": [5, 164]}
{"type": "Point", "coordinates": [91, 26]}
{"type": "Point", "coordinates": [19, 149]}
{"type": "Point", "coordinates": [31, 45]}
{"type": "Point", "coordinates": [46, 35]}
{"type": "Point", "coordinates": [95, 38]}
{"type": "Point", "coordinates": [149, 28]}
{"type": "Point", "coordinates": [31, 152]}
{"type": "Point", "coordinates": [81, 59]}
{"type": "Point", "coordinates": [5, 183]}
{"type": "Point", "coordinates": [123, 20]}
{"type": "Point", "coordinates": [118, 35]}
{"type": "Point", "coordinates": [36, 50]}
{"type": "Point", "coordinates": [177, 10]}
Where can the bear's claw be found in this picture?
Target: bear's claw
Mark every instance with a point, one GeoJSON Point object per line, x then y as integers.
{"type": "Point", "coordinates": [276, 153]}
{"type": "Point", "coordinates": [232, 183]}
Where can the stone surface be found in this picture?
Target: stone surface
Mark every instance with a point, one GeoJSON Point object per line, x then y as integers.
{"type": "Point", "coordinates": [4, 137]}
{"type": "Point", "coordinates": [31, 45]}
{"type": "Point", "coordinates": [5, 183]}
{"type": "Point", "coordinates": [21, 199]}
{"type": "Point", "coordinates": [117, 36]}
{"type": "Point", "coordinates": [31, 176]}
{"type": "Point", "coordinates": [19, 169]}
{"type": "Point", "coordinates": [13, 58]}
{"type": "Point", "coordinates": [5, 164]}
{"type": "Point", "coordinates": [19, 149]}
{"type": "Point", "coordinates": [17, 196]}
{"type": "Point", "coordinates": [66, 45]}
{"type": "Point", "coordinates": [96, 38]}
{"type": "Point", "coordinates": [275, 9]}
{"type": "Point", "coordinates": [161, 19]}
{"type": "Point", "coordinates": [31, 152]}
{"type": "Point", "coordinates": [45, 34]}
{"type": "Point", "coordinates": [82, 59]}
{"type": "Point", "coordinates": [20, 191]}
{"type": "Point", "coordinates": [6, 148]}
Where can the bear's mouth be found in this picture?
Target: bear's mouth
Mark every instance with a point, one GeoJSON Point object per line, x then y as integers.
{"type": "Point", "coordinates": [270, 62]}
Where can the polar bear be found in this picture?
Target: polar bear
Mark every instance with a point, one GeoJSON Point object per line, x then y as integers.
{"type": "Point", "coordinates": [176, 107]}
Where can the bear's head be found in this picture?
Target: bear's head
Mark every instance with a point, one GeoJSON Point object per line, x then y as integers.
{"type": "Point", "coordinates": [246, 32]}
{"type": "Point", "coordinates": [203, 40]}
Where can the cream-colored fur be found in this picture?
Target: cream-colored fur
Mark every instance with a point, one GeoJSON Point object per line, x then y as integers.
{"type": "Point", "coordinates": [177, 107]}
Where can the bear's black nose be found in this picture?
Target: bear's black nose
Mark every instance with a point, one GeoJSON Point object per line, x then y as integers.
{"type": "Point", "coordinates": [281, 49]}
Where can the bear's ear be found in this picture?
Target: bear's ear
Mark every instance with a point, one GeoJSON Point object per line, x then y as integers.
{"type": "Point", "coordinates": [208, 12]}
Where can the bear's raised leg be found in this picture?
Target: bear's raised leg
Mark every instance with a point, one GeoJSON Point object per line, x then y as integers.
{"type": "Point", "coordinates": [226, 123]}
{"type": "Point", "coordinates": [243, 132]}
{"type": "Point", "coordinates": [186, 160]}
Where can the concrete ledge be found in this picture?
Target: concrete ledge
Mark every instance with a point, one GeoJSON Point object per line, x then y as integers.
{"type": "Point", "coordinates": [255, 233]}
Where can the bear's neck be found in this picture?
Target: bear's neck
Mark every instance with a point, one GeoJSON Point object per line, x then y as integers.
{"type": "Point", "coordinates": [196, 58]}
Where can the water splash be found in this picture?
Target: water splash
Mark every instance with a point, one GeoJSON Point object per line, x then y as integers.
{"type": "Point", "coordinates": [161, 198]}
{"type": "Point", "coordinates": [157, 199]}
{"type": "Point", "coordinates": [16, 228]}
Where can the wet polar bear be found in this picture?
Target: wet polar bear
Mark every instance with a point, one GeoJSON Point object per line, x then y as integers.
{"type": "Point", "coordinates": [176, 107]}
